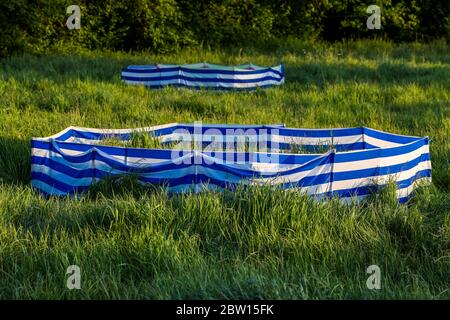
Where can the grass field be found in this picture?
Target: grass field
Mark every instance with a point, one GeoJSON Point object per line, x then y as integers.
{"type": "Point", "coordinates": [146, 244]}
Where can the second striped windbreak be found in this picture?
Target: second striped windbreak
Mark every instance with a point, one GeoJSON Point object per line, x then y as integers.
{"type": "Point", "coordinates": [350, 163]}
{"type": "Point", "coordinates": [204, 75]}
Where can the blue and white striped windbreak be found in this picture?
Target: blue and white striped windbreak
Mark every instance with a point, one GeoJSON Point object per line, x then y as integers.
{"type": "Point", "coordinates": [204, 75]}
{"type": "Point", "coordinates": [346, 162]}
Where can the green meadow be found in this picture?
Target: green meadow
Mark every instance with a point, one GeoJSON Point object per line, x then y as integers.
{"type": "Point", "coordinates": [143, 243]}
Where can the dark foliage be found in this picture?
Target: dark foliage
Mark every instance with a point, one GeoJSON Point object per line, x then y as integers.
{"type": "Point", "coordinates": [167, 25]}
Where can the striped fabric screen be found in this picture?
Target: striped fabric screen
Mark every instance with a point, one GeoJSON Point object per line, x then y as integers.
{"type": "Point", "coordinates": [204, 75]}
{"type": "Point", "coordinates": [346, 162]}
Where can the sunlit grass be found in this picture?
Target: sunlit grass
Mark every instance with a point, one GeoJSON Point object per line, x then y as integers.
{"type": "Point", "coordinates": [137, 242]}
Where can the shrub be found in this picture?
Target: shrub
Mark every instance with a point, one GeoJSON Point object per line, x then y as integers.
{"type": "Point", "coordinates": [167, 25]}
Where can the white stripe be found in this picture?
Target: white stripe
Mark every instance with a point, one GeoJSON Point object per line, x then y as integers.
{"type": "Point", "coordinates": [105, 131]}
{"type": "Point", "coordinates": [47, 188]}
{"type": "Point", "coordinates": [76, 182]}
{"type": "Point", "coordinates": [380, 161]}
{"type": "Point", "coordinates": [294, 177]}
{"type": "Point", "coordinates": [157, 75]}
{"type": "Point", "coordinates": [401, 193]}
{"type": "Point", "coordinates": [338, 167]}
{"type": "Point", "coordinates": [381, 143]}
{"type": "Point", "coordinates": [317, 140]}
{"type": "Point", "coordinates": [380, 180]}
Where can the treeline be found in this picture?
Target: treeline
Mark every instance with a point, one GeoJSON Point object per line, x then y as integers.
{"type": "Point", "coordinates": [167, 25]}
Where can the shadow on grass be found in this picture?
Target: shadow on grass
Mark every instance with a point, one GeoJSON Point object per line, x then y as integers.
{"type": "Point", "coordinates": [108, 203]}
{"type": "Point", "coordinates": [15, 161]}
{"type": "Point", "coordinates": [384, 74]}
{"type": "Point", "coordinates": [63, 68]}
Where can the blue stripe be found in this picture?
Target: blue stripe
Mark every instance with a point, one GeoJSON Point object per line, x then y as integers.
{"type": "Point", "coordinates": [112, 163]}
{"type": "Point", "coordinates": [389, 137]}
{"type": "Point", "coordinates": [359, 191]}
{"type": "Point", "coordinates": [166, 154]}
{"type": "Point", "coordinates": [380, 152]}
{"type": "Point", "coordinates": [323, 147]}
{"type": "Point", "coordinates": [79, 173]}
{"type": "Point", "coordinates": [380, 171]}
{"type": "Point", "coordinates": [320, 133]}
{"type": "Point", "coordinates": [373, 188]}
{"type": "Point", "coordinates": [337, 176]}
{"type": "Point", "coordinates": [205, 80]}
{"type": "Point", "coordinates": [61, 186]}
{"type": "Point", "coordinates": [131, 69]}
{"type": "Point", "coordinates": [209, 88]}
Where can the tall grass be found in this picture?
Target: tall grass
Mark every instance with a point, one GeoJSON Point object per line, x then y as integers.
{"type": "Point", "coordinates": [135, 242]}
